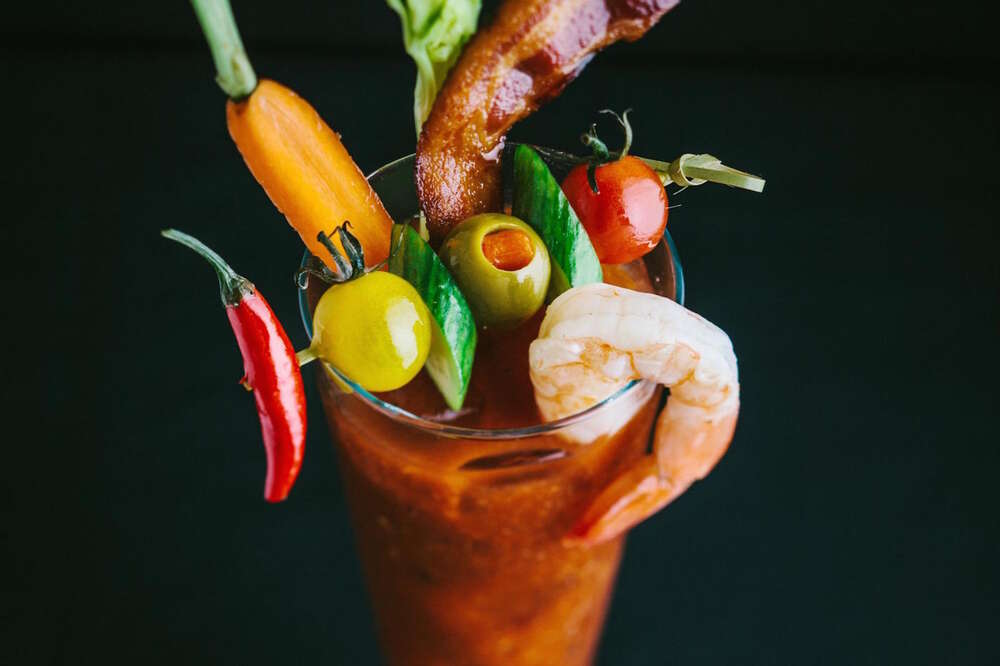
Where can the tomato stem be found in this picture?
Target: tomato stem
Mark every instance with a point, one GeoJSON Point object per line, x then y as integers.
{"type": "Point", "coordinates": [306, 356]}
{"type": "Point", "coordinates": [601, 155]}
{"type": "Point", "coordinates": [626, 127]}
{"type": "Point", "coordinates": [232, 286]}
{"type": "Point", "coordinates": [350, 263]}
{"type": "Point", "coordinates": [234, 74]}
{"type": "Point", "coordinates": [314, 267]}
{"type": "Point", "coordinates": [599, 148]}
{"type": "Point", "coordinates": [352, 248]}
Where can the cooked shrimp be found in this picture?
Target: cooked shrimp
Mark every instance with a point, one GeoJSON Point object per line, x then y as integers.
{"type": "Point", "coordinates": [593, 341]}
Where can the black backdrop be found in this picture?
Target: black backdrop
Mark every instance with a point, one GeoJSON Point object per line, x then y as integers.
{"type": "Point", "coordinates": [919, 31]}
{"type": "Point", "coordinates": [854, 519]}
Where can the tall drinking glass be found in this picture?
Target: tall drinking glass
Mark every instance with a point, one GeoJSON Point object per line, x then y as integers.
{"type": "Point", "coordinates": [460, 529]}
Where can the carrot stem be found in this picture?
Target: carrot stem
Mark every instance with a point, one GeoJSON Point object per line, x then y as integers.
{"type": "Point", "coordinates": [234, 74]}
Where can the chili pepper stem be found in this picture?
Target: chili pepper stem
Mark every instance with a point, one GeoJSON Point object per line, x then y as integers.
{"type": "Point", "coordinates": [232, 286]}
{"type": "Point", "coordinates": [306, 356]}
{"type": "Point", "coordinates": [234, 74]}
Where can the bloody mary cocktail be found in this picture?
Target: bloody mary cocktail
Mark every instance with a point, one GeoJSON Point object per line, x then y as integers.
{"type": "Point", "coordinates": [490, 378]}
{"type": "Point", "coordinates": [460, 517]}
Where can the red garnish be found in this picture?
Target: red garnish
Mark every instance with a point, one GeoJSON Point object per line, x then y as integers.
{"type": "Point", "coordinates": [620, 202]}
{"type": "Point", "coordinates": [509, 249]}
{"type": "Point", "coordinates": [272, 372]}
{"type": "Point", "coordinates": [626, 217]}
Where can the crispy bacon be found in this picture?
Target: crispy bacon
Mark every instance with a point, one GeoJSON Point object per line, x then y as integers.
{"type": "Point", "coordinates": [524, 58]}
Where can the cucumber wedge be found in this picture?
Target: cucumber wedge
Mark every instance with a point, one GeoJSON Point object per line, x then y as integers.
{"type": "Point", "coordinates": [453, 337]}
{"type": "Point", "coordinates": [539, 201]}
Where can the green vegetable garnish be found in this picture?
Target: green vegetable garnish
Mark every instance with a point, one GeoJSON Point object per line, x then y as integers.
{"type": "Point", "coordinates": [434, 32]}
{"type": "Point", "coordinates": [453, 330]}
{"type": "Point", "coordinates": [539, 201]}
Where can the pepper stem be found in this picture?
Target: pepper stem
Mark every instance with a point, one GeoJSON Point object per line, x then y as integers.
{"type": "Point", "coordinates": [306, 356]}
{"type": "Point", "coordinates": [232, 286]}
{"type": "Point", "coordinates": [234, 74]}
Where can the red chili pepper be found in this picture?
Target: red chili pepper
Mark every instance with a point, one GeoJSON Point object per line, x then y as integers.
{"type": "Point", "coordinates": [272, 372]}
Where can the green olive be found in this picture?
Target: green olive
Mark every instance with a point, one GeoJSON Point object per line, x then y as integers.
{"type": "Point", "coordinates": [500, 297]}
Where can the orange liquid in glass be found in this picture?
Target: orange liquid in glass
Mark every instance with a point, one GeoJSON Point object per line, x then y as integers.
{"type": "Point", "coordinates": [461, 540]}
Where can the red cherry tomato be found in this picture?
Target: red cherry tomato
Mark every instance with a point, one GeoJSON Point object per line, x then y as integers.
{"type": "Point", "coordinates": [627, 216]}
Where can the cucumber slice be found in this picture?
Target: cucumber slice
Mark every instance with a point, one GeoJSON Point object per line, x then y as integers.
{"type": "Point", "coordinates": [539, 201]}
{"type": "Point", "coordinates": [453, 337]}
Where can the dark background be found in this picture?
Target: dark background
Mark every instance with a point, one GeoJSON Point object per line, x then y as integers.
{"type": "Point", "coordinates": [854, 519]}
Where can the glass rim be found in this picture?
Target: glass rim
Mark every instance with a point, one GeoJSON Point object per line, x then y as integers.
{"type": "Point", "coordinates": [439, 428]}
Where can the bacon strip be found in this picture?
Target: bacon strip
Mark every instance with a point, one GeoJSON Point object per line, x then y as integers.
{"type": "Point", "coordinates": [525, 58]}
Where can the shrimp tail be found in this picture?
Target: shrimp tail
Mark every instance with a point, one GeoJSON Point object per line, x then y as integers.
{"type": "Point", "coordinates": [684, 451]}
{"type": "Point", "coordinates": [687, 447]}
{"type": "Point", "coordinates": [630, 499]}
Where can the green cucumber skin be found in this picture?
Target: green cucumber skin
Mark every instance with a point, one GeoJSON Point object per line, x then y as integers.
{"type": "Point", "coordinates": [539, 201]}
{"type": "Point", "coordinates": [453, 341]}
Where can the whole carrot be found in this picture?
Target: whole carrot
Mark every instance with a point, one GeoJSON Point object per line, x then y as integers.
{"type": "Point", "coordinates": [295, 156]}
{"type": "Point", "coordinates": [272, 371]}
